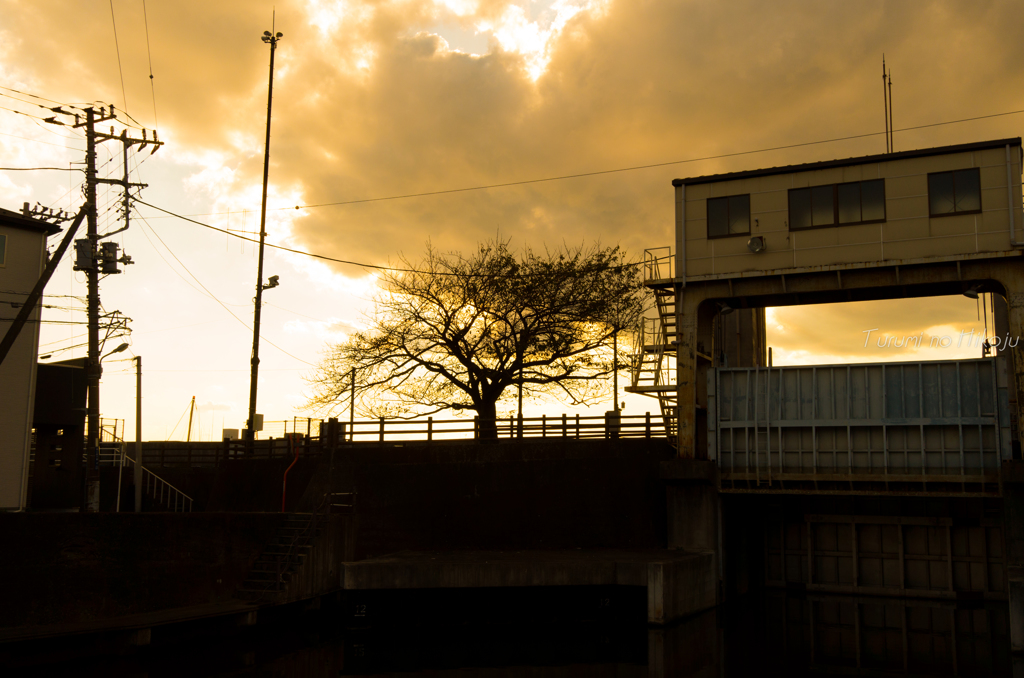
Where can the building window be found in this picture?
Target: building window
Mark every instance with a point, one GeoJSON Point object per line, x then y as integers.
{"type": "Point", "coordinates": [728, 216]}
{"type": "Point", "coordinates": [856, 202]}
{"type": "Point", "coordinates": [954, 192]}
{"type": "Point", "coordinates": [3, 250]}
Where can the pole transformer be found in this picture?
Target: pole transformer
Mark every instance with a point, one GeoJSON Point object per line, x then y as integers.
{"type": "Point", "coordinates": [95, 260]}
{"type": "Point", "coordinates": [250, 424]}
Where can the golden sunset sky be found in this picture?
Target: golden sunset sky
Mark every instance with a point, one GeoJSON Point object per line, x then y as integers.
{"type": "Point", "coordinates": [374, 99]}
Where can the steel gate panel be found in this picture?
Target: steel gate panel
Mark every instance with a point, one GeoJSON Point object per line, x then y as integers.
{"type": "Point", "coordinates": [945, 420]}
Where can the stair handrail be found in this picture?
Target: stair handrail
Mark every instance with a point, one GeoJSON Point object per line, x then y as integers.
{"type": "Point", "coordinates": [655, 259]}
{"type": "Point", "coordinates": [156, 478]}
{"type": "Point", "coordinates": [286, 557]}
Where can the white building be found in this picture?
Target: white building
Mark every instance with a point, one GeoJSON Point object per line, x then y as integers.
{"type": "Point", "coordinates": [22, 261]}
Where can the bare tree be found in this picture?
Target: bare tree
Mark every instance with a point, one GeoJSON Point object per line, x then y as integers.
{"type": "Point", "coordinates": [454, 332]}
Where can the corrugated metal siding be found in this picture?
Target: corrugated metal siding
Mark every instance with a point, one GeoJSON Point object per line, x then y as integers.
{"type": "Point", "coordinates": [942, 418]}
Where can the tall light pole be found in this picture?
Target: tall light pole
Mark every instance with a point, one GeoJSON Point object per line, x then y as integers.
{"type": "Point", "coordinates": [250, 433]}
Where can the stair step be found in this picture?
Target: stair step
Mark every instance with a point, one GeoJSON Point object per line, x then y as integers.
{"type": "Point", "coordinates": [256, 591]}
{"type": "Point", "coordinates": [263, 585]}
{"type": "Point", "coordinates": [268, 577]}
{"type": "Point", "coordinates": [293, 554]}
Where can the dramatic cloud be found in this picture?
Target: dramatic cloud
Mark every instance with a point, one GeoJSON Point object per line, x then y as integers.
{"type": "Point", "coordinates": [372, 101]}
{"type": "Point", "coordinates": [378, 98]}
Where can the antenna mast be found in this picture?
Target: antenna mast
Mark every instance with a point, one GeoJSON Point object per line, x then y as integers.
{"type": "Point", "coordinates": [885, 98]}
{"type": "Point", "coordinates": [892, 141]}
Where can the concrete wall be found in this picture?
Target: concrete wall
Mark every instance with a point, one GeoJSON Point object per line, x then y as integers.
{"type": "Point", "coordinates": [69, 568]}
{"type": "Point", "coordinates": [22, 265]}
{"type": "Point", "coordinates": [530, 495]}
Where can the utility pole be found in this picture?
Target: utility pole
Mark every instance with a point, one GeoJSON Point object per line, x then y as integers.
{"type": "Point", "coordinates": [95, 258]}
{"type": "Point", "coordinates": [250, 424]}
{"type": "Point", "coordinates": [137, 469]}
{"type": "Point", "coordinates": [91, 478]}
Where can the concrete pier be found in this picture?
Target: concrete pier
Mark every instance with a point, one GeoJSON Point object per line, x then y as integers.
{"type": "Point", "coordinates": [678, 583]}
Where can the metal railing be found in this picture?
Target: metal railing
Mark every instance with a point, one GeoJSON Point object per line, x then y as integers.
{"type": "Point", "coordinates": [111, 430]}
{"type": "Point", "coordinates": [658, 263]}
{"type": "Point", "coordinates": [162, 491]}
{"type": "Point", "coordinates": [392, 432]}
{"type": "Point", "coordinates": [397, 431]}
{"type": "Point", "coordinates": [307, 426]}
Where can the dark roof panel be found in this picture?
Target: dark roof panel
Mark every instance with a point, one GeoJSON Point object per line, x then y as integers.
{"type": "Point", "coordinates": [19, 220]}
{"type": "Point", "coordinates": [846, 162]}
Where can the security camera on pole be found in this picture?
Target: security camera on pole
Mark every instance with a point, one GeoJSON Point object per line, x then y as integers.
{"type": "Point", "coordinates": [250, 424]}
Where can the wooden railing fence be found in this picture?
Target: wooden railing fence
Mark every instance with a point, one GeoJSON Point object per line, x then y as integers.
{"type": "Point", "coordinates": [399, 432]}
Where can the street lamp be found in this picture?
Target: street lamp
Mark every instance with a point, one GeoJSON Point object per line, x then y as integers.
{"type": "Point", "coordinates": [119, 349]}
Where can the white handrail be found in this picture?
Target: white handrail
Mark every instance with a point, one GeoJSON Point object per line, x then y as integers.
{"type": "Point", "coordinates": [150, 484]}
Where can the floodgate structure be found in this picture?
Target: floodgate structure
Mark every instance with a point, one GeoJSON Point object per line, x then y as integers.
{"type": "Point", "coordinates": [884, 479]}
{"type": "Point", "coordinates": [897, 485]}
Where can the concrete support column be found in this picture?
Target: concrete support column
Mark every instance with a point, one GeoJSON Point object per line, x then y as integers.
{"type": "Point", "coordinates": [1013, 532]}
{"type": "Point", "coordinates": [686, 372]}
{"type": "Point", "coordinates": [694, 508]}
{"type": "Point", "coordinates": [1015, 308]}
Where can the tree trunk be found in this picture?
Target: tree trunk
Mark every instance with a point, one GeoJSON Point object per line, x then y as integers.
{"type": "Point", "coordinates": [488, 419]}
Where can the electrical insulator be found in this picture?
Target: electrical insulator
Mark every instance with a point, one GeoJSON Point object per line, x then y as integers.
{"type": "Point", "coordinates": [108, 257]}
{"type": "Point", "coordinates": [83, 255]}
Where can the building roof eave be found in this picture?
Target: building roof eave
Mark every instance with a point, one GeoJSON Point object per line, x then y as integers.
{"type": "Point", "coordinates": [847, 162]}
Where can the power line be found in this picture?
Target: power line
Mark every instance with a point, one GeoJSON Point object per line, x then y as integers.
{"type": "Point", "coordinates": [117, 48]}
{"type": "Point", "coordinates": [34, 96]}
{"type": "Point", "coordinates": [649, 166]}
{"type": "Point", "coordinates": [27, 115]}
{"type": "Point", "coordinates": [40, 141]}
{"type": "Point", "coordinates": [596, 173]}
{"type": "Point", "coordinates": [25, 101]}
{"type": "Point", "coordinates": [278, 247]}
{"type": "Point", "coordinates": [32, 169]}
{"type": "Point", "coordinates": [212, 296]}
{"type": "Point", "coordinates": [149, 55]}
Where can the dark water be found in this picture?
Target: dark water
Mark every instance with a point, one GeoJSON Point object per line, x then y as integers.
{"type": "Point", "coordinates": [769, 634]}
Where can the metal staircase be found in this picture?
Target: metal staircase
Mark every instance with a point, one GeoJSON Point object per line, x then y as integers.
{"type": "Point", "coordinates": [160, 491]}
{"type": "Point", "coordinates": [653, 372]}
{"type": "Point", "coordinates": [113, 452]}
{"type": "Point", "coordinates": [272, 573]}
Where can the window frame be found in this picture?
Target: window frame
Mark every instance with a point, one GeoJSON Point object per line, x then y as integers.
{"type": "Point", "coordinates": [835, 206]}
{"type": "Point", "coordinates": [954, 213]}
{"type": "Point", "coordinates": [726, 198]}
